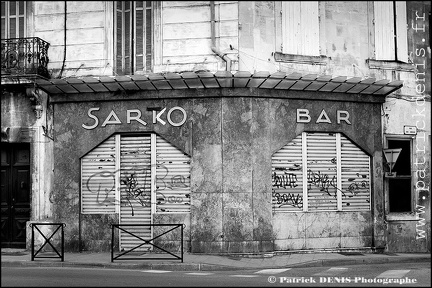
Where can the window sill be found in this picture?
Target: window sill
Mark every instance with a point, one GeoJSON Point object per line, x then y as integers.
{"type": "Point", "coordinates": [390, 65]}
{"type": "Point", "coordinates": [402, 216]}
{"type": "Point", "coordinates": [301, 59]}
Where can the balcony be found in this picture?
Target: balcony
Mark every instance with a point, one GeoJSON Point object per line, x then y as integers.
{"type": "Point", "coordinates": [24, 57]}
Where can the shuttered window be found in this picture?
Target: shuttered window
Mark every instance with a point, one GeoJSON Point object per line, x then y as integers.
{"type": "Point", "coordinates": [287, 177]}
{"type": "Point", "coordinates": [135, 189]}
{"type": "Point", "coordinates": [391, 42]}
{"type": "Point", "coordinates": [133, 36]}
{"type": "Point", "coordinates": [322, 181]}
{"type": "Point", "coordinates": [98, 180]}
{"type": "Point", "coordinates": [320, 172]}
{"type": "Point", "coordinates": [300, 28]}
{"type": "Point", "coordinates": [135, 175]}
{"type": "Point", "coordinates": [13, 19]}
{"type": "Point", "coordinates": [172, 178]}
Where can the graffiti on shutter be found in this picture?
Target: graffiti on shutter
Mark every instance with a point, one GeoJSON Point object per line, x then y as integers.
{"type": "Point", "coordinates": [98, 179]}
{"type": "Point", "coordinates": [135, 189]}
{"type": "Point", "coordinates": [287, 178]}
{"type": "Point", "coordinates": [321, 171]}
{"type": "Point", "coordinates": [172, 178]}
{"type": "Point", "coordinates": [327, 167]}
{"type": "Point", "coordinates": [355, 167]}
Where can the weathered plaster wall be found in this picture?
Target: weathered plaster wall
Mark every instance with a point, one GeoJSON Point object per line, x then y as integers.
{"type": "Point", "coordinates": [186, 43]}
{"type": "Point", "coordinates": [411, 106]}
{"type": "Point", "coordinates": [230, 140]}
{"type": "Point", "coordinates": [88, 51]}
{"type": "Point", "coordinates": [20, 120]}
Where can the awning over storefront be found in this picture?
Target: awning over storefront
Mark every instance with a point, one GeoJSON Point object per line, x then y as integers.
{"type": "Point", "coordinates": [220, 79]}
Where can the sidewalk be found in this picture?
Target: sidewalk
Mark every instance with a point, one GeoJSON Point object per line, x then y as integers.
{"type": "Point", "coordinates": [205, 262]}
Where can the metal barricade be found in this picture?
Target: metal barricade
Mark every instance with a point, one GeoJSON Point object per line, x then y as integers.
{"type": "Point", "coordinates": [146, 241]}
{"type": "Point", "coordinates": [47, 240]}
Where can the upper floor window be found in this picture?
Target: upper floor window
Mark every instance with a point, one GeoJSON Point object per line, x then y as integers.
{"type": "Point", "coordinates": [391, 43]}
{"type": "Point", "coordinates": [300, 28]}
{"type": "Point", "coordinates": [13, 19]}
{"type": "Point", "coordinates": [133, 36]}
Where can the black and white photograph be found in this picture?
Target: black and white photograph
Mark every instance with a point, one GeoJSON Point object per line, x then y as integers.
{"type": "Point", "coordinates": [215, 144]}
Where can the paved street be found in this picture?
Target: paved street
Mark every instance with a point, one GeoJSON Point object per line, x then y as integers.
{"type": "Point", "coordinates": [377, 275]}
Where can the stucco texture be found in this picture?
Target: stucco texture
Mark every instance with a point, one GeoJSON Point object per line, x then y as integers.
{"type": "Point", "coordinates": [231, 141]}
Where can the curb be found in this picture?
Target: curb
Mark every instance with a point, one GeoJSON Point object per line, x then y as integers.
{"type": "Point", "coordinates": [210, 267]}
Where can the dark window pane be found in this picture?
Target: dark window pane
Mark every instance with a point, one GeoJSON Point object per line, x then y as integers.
{"type": "Point", "coordinates": [148, 32]}
{"type": "Point", "coordinates": [12, 7]}
{"type": "Point", "coordinates": [21, 7]}
{"type": "Point", "coordinates": [3, 29]}
{"type": "Point", "coordinates": [139, 31]}
{"type": "Point", "coordinates": [139, 63]}
{"type": "Point", "coordinates": [400, 195]}
{"type": "Point", "coordinates": [21, 27]}
{"type": "Point", "coordinates": [403, 163]}
{"type": "Point", "coordinates": [119, 41]}
{"type": "Point", "coordinates": [3, 8]}
{"type": "Point", "coordinates": [127, 34]}
{"type": "Point", "coordinates": [12, 28]}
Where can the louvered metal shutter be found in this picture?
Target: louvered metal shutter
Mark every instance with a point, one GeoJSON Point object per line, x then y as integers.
{"type": "Point", "coordinates": [135, 189]}
{"type": "Point", "coordinates": [321, 171]}
{"type": "Point", "coordinates": [287, 177]}
{"type": "Point", "coordinates": [355, 177]}
{"type": "Point", "coordinates": [172, 178]}
{"type": "Point", "coordinates": [98, 179]}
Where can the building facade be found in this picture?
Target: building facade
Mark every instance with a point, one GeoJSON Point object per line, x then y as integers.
{"type": "Point", "coordinates": [259, 126]}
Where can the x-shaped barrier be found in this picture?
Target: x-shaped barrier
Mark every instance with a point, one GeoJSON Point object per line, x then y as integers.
{"type": "Point", "coordinates": [47, 240]}
{"type": "Point", "coordinates": [145, 241]}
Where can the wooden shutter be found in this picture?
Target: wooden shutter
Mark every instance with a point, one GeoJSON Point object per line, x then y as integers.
{"type": "Point", "coordinates": [287, 178]}
{"type": "Point", "coordinates": [98, 179]}
{"type": "Point", "coordinates": [300, 27]}
{"type": "Point", "coordinates": [143, 31]}
{"type": "Point", "coordinates": [401, 31]}
{"type": "Point", "coordinates": [387, 15]}
{"type": "Point", "coordinates": [384, 30]}
{"type": "Point", "coordinates": [355, 177]}
{"type": "Point", "coordinates": [321, 171]}
{"type": "Point", "coordinates": [172, 178]}
{"type": "Point", "coordinates": [135, 189]}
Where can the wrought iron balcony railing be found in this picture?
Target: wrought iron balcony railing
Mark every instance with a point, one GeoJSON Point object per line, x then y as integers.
{"type": "Point", "coordinates": [24, 57]}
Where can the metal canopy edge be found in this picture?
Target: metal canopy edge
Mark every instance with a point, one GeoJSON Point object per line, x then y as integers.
{"type": "Point", "coordinates": [220, 79]}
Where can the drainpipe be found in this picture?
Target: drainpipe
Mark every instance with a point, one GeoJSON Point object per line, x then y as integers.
{"type": "Point", "coordinates": [213, 38]}
{"type": "Point", "coordinates": [64, 50]}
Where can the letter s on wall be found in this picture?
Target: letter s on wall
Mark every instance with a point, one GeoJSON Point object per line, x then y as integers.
{"type": "Point", "coordinates": [92, 116]}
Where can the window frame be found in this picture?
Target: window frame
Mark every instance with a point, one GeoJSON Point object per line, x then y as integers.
{"type": "Point", "coordinates": [399, 39]}
{"type": "Point", "coordinates": [7, 17]}
{"type": "Point", "coordinates": [155, 34]}
{"type": "Point", "coordinates": [282, 56]}
{"type": "Point", "coordinates": [407, 215]}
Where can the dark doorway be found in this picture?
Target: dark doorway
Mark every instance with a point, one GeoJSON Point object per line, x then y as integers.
{"type": "Point", "coordinates": [15, 194]}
